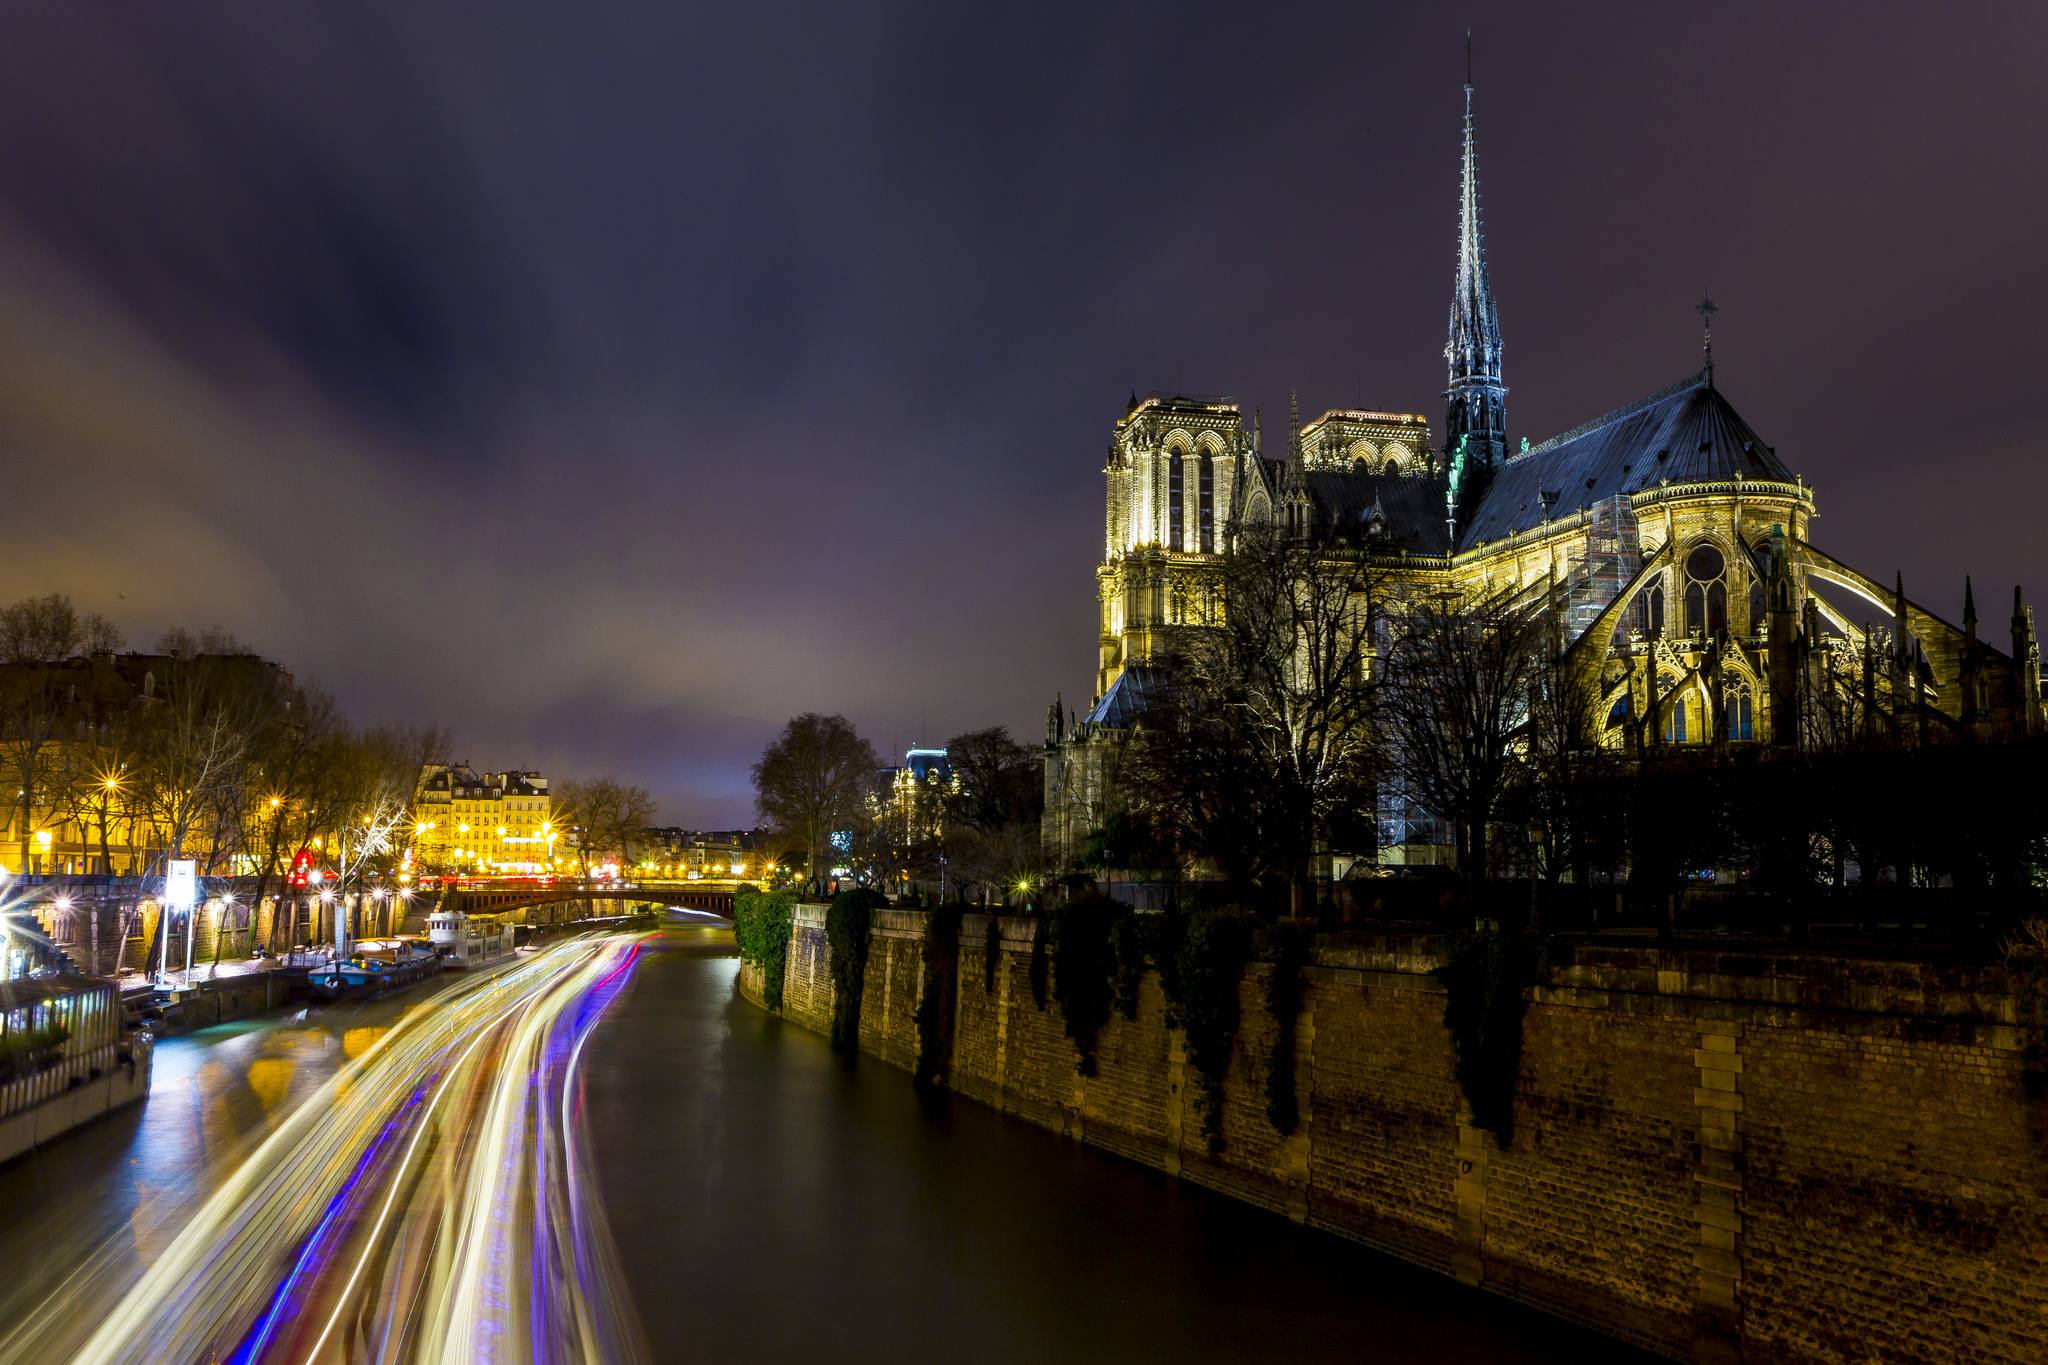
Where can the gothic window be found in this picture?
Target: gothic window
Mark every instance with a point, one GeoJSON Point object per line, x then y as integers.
{"type": "Point", "coordinates": [1207, 495]}
{"type": "Point", "coordinates": [1756, 607]}
{"type": "Point", "coordinates": [1657, 610]}
{"type": "Point", "coordinates": [1706, 594]}
{"type": "Point", "coordinates": [1674, 708]}
{"type": "Point", "coordinates": [1393, 468]}
{"type": "Point", "coordinates": [1741, 720]}
{"type": "Point", "coordinates": [1359, 466]}
{"type": "Point", "coordinates": [1173, 514]}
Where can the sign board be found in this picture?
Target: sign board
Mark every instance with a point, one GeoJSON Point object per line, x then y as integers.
{"type": "Point", "coordinates": [181, 887]}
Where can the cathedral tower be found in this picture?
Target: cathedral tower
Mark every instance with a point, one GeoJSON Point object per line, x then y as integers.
{"type": "Point", "coordinates": [1475, 413]}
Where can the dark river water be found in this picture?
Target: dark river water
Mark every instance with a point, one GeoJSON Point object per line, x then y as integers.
{"type": "Point", "coordinates": [773, 1201]}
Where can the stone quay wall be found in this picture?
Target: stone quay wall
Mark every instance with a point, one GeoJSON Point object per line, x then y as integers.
{"type": "Point", "coordinates": [1717, 1157]}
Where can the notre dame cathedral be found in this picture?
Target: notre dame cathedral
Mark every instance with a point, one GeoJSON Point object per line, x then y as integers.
{"type": "Point", "coordinates": [1667, 534]}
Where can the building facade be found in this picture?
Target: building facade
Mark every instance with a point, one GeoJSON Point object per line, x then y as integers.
{"type": "Point", "coordinates": [497, 823]}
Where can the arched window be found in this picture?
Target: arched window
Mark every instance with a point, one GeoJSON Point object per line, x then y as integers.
{"type": "Point", "coordinates": [1674, 727]}
{"type": "Point", "coordinates": [1173, 513]}
{"type": "Point", "coordinates": [1359, 466]}
{"type": "Point", "coordinates": [1706, 596]}
{"type": "Point", "coordinates": [1393, 468]}
{"type": "Point", "coordinates": [1657, 610]}
{"type": "Point", "coordinates": [1741, 720]}
{"type": "Point", "coordinates": [1208, 504]}
{"type": "Point", "coordinates": [1756, 607]}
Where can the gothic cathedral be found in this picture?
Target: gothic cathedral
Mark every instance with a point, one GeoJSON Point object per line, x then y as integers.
{"type": "Point", "coordinates": [1667, 536]}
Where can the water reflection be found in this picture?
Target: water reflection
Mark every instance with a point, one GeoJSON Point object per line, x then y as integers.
{"type": "Point", "coordinates": [100, 1205]}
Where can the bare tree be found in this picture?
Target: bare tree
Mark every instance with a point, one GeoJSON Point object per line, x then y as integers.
{"type": "Point", "coordinates": [47, 629]}
{"type": "Point", "coordinates": [604, 814]}
{"type": "Point", "coordinates": [811, 781]}
{"type": "Point", "coordinates": [1455, 709]}
{"type": "Point", "coordinates": [1257, 744]}
{"type": "Point", "coordinates": [36, 633]}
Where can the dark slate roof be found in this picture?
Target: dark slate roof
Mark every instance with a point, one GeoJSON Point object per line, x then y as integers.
{"type": "Point", "coordinates": [1702, 440]}
{"type": "Point", "coordinates": [1126, 699]}
{"type": "Point", "coordinates": [1412, 504]}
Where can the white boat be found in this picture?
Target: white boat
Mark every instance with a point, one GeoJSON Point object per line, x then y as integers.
{"type": "Point", "coordinates": [464, 941]}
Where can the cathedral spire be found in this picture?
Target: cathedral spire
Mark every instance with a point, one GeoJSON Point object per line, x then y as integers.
{"type": "Point", "coordinates": [1476, 401]}
{"type": "Point", "coordinates": [1293, 435]}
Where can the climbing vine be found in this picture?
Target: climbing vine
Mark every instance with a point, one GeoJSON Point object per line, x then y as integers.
{"type": "Point", "coordinates": [1039, 969]}
{"type": "Point", "coordinates": [1213, 949]}
{"type": "Point", "coordinates": [1288, 943]}
{"type": "Point", "coordinates": [1084, 969]}
{"type": "Point", "coordinates": [991, 950]}
{"type": "Point", "coordinates": [760, 925]}
{"type": "Point", "coordinates": [935, 1008]}
{"type": "Point", "coordinates": [1484, 976]}
{"type": "Point", "coordinates": [849, 922]}
{"type": "Point", "coordinates": [1133, 939]}
{"type": "Point", "coordinates": [2026, 964]}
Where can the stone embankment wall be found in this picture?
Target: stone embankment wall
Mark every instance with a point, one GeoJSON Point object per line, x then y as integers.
{"type": "Point", "coordinates": [1717, 1157]}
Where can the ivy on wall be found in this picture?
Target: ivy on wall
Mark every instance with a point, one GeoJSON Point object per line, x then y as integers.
{"type": "Point", "coordinates": [1039, 969]}
{"type": "Point", "coordinates": [1484, 977]}
{"type": "Point", "coordinates": [1084, 969]}
{"type": "Point", "coordinates": [760, 925]}
{"type": "Point", "coordinates": [1288, 944]}
{"type": "Point", "coordinates": [991, 951]}
{"type": "Point", "coordinates": [849, 926]}
{"type": "Point", "coordinates": [935, 1007]}
{"type": "Point", "coordinates": [1133, 940]}
{"type": "Point", "coordinates": [1214, 947]}
{"type": "Point", "coordinates": [2026, 965]}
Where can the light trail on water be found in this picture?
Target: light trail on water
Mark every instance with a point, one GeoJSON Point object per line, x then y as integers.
{"type": "Point", "coordinates": [431, 1202]}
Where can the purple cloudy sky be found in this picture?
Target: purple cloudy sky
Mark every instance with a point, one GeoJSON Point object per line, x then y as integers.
{"type": "Point", "coordinates": [610, 381]}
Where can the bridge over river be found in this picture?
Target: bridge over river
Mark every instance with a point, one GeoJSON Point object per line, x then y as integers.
{"type": "Point", "coordinates": [497, 897]}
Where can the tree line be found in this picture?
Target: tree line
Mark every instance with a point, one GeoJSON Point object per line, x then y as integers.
{"type": "Point", "coordinates": [204, 750]}
{"type": "Point", "coordinates": [826, 803]}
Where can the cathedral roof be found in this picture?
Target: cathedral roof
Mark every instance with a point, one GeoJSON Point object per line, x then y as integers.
{"type": "Point", "coordinates": [1411, 507]}
{"type": "Point", "coordinates": [1127, 699]}
{"type": "Point", "coordinates": [1687, 433]}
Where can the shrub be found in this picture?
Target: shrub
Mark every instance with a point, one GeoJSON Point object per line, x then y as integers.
{"type": "Point", "coordinates": [760, 925]}
{"type": "Point", "coordinates": [849, 923]}
{"type": "Point", "coordinates": [1084, 969]}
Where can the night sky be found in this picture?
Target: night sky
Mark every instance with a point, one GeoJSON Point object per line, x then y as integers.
{"type": "Point", "coordinates": [611, 381]}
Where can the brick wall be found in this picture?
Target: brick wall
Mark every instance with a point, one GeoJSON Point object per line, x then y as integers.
{"type": "Point", "coordinates": [1718, 1158]}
